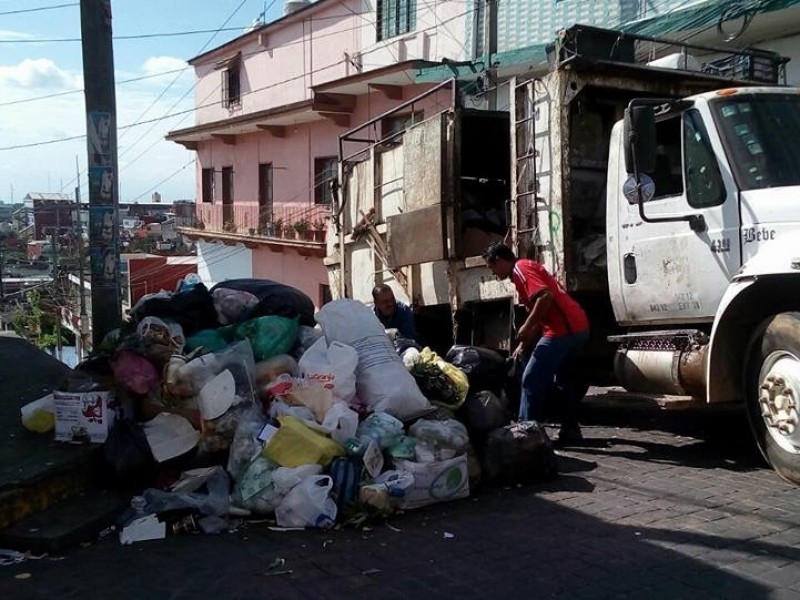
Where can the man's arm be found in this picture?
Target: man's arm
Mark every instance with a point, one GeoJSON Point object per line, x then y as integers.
{"type": "Point", "coordinates": [527, 333]}
{"type": "Point", "coordinates": [405, 323]}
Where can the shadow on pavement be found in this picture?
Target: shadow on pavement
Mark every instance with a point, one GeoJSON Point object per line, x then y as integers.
{"type": "Point", "coordinates": [500, 543]}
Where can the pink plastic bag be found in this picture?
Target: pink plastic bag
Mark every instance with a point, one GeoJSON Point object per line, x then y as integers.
{"type": "Point", "coordinates": [134, 372]}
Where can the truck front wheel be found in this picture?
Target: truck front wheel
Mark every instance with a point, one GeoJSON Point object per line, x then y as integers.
{"type": "Point", "coordinates": [773, 393]}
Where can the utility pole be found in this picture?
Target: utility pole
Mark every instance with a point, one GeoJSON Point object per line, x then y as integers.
{"type": "Point", "coordinates": [101, 137]}
{"type": "Point", "coordinates": [2, 288]}
{"type": "Point", "coordinates": [83, 324]}
{"type": "Point", "coordinates": [490, 48]}
{"type": "Point", "coordinates": [54, 241]}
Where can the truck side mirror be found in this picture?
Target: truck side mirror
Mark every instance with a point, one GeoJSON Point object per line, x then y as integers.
{"type": "Point", "coordinates": [640, 139]}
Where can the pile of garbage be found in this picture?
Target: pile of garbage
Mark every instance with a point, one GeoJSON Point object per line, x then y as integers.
{"type": "Point", "coordinates": [308, 419]}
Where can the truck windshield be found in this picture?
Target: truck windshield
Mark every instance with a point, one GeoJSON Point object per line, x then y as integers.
{"type": "Point", "coordinates": [761, 133]}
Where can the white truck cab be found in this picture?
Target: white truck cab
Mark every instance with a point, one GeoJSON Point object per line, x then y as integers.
{"type": "Point", "coordinates": [730, 160]}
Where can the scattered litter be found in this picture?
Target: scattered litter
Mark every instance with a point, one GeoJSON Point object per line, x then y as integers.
{"type": "Point", "coordinates": [393, 528]}
{"type": "Point", "coordinates": [10, 557]}
{"type": "Point", "coordinates": [275, 528]}
{"type": "Point", "coordinates": [448, 535]}
{"type": "Point", "coordinates": [371, 572]}
{"type": "Point", "coordinates": [326, 543]}
{"type": "Point", "coordinates": [277, 567]}
{"type": "Point", "coordinates": [22, 576]}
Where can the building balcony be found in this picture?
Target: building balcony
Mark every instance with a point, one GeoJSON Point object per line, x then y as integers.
{"type": "Point", "coordinates": [302, 225]}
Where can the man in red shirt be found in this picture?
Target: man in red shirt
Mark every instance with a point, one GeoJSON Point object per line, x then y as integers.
{"type": "Point", "coordinates": [564, 328]}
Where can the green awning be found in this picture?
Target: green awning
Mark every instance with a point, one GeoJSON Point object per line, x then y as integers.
{"type": "Point", "coordinates": [702, 15]}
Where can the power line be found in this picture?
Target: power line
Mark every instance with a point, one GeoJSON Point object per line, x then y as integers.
{"type": "Point", "coordinates": [41, 8]}
{"type": "Point", "coordinates": [138, 36]}
{"type": "Point", "coordinates": [171, 83]}
{"type": "Point", "coordinates": [120, 82]}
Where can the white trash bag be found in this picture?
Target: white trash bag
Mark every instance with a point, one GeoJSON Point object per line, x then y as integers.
{"type": "Point", "coordinates": [382, 380]}
{"type": "Point", "coordinates": [333, 366]}
{"type": "Point", "coordinates": [308, 504]}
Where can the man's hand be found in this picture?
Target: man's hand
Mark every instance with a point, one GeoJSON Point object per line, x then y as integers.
{"type": "Point", "coordinates": [518, 351]}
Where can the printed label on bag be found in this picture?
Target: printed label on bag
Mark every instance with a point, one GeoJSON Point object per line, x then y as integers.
{"type": "Point", "coordinates": [373, 459]}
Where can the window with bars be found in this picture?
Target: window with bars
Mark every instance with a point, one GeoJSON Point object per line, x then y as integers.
{"type": "Point", "coordinates": [324, 174]}
{"type": "Point", "coordinates": [231, 86]}
{"type": "Point", "coordinates": [396, 17]}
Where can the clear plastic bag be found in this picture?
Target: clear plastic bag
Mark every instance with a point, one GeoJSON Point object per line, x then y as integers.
{"type": "Point", "coordinates": [216, 502]}
{"type": "Point", "coordinates": [245, 446]}
{"type": "Point", "coordinates": [264, 485]}
{"type": "Point", "coordinates": [381, 427]}
{"type": "Point", "coordinates": [308, 504]}
{"type": "Point", "coordinates": [439, 440]}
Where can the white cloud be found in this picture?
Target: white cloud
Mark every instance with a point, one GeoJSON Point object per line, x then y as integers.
{"type": "Point", "coordinates": [161, 64]}
{"type": "Point", "coordinates": [8, 34]}
{"type": "Point", "coordinates": [143, 162]}
{"type": "Point", "coordinates": [40, 73]}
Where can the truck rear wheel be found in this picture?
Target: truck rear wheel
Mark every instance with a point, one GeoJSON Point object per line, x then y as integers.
{"type": "Point", "coordinates": [773, 393]}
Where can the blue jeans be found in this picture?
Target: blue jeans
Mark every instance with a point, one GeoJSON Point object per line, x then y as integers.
{"type": "Point", "coordinates": [551, 361]}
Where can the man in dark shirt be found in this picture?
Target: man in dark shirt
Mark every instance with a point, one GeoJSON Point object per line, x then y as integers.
{"type": "Point", "coordinates": [391, 313]}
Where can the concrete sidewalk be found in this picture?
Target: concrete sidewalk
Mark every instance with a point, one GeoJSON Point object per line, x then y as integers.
{"type": "Point", "coordinates": [34, 469]}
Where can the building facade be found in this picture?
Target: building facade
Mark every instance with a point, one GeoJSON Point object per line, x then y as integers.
{"type": "Point", "coordinates": [44, 214]}
{"type": "Point", "coordinates": [271, 105]}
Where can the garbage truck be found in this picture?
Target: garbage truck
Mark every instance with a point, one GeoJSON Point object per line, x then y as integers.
{"type": "Point", "coordinates": [654, 179]}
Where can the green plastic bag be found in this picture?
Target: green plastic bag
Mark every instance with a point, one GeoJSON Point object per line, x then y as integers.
{"type": "Point", "coordinates": [269, 336]}
{"type": "Point", "coordinates": [210, 339]}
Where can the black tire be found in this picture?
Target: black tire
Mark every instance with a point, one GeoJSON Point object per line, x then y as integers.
{"type": "Point", "coordinates": [777, 334]}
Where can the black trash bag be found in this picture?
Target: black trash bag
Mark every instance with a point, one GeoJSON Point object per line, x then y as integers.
{"type": "Point", "coordinates": [127, 452]}
{"type": "Point", "coordinates": [519, 453]}
{"type": "Point", "coordinates": [485, 411]}
{"type": "Point", "coordinates": [273, 299]}
{"type": "Point", "coordinates": [192, 309]}
{"type": "Point", "coordinates": [485, 369]}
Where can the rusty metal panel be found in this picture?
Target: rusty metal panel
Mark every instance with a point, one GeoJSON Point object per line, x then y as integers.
{"type": "Point", "coordinates": [416, 237]}
{"type": "Point", "coordinates": [422, 163]}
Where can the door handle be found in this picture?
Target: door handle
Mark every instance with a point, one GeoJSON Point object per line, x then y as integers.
{"type": "Point", "coordinates": [629, 267]}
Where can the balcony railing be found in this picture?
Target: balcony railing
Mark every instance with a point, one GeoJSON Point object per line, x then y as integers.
{"type": "Point", "coordinates": [287, 221]}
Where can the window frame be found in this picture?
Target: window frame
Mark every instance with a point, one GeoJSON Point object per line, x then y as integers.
{"type": "Point", "coordinates": [232, 86]}
{"type": "Point", "coordinates": [392, 20]}
{"type": "Point", "coordinates": [266, 188]}
{"type": "Point", "coordinates": [694, 118]}
{"type": "Point", "coordinates": [321, 188]}
{"type": "Point", "coordinates": [207, 186]}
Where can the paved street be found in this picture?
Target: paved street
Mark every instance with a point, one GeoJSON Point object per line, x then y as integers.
{"type": "Point", "coordinates": [654, 506]}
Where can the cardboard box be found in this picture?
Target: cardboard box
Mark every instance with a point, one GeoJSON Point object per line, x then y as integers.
{"type": "Point", "coordinates": [435, 481]}
{"type": "Point", "coordinates": [84, 417]}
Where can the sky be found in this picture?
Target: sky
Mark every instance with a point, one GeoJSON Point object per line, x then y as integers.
{"type": "Point", "coordinates": [31, 66]}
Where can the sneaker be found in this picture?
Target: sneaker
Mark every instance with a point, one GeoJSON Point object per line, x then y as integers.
{"type": "Point", "coordinates": [569, 436]}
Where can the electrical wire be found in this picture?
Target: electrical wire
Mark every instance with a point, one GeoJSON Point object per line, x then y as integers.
{"type": "Point", "coordinates": [138, 123]}
{"type": "Point", "coordinates": [121, 82]}
{"type": "Point", "coordinates": [38, 9]}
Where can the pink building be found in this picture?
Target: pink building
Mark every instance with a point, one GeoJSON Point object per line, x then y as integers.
{"type": "Point", "coordinates": [270, 107]}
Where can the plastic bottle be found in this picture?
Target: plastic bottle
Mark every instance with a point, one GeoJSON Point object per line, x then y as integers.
{"type": "Point", "coordinates": [138, 505]}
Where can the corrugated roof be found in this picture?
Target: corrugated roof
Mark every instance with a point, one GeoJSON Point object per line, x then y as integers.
{"type": "Point", "coordinates": [48, 196]}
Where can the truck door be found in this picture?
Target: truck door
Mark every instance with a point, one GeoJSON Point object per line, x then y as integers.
{"type": "Point", "coordinates": [416, 224]}
{"type": "Point", "coordinates": [667, 272]}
